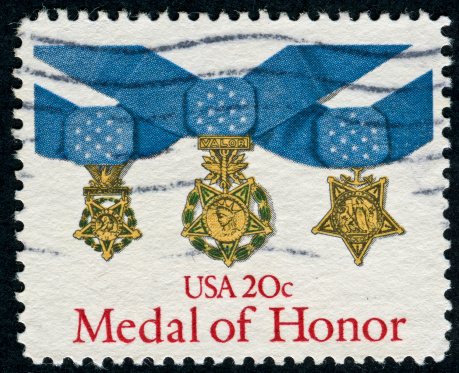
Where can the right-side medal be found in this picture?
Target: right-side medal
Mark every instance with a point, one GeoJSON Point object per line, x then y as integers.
{"type": "Point", "coordinates": [357, 213]}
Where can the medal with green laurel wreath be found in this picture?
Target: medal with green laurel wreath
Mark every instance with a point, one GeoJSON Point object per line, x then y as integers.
{"type": "Point", "coordinates": [108, 219]}
{"type": "Point", "coordinates": [226, 214]}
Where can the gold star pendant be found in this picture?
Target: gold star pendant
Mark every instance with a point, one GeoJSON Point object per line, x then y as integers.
{"type": "Point", "coordinates": [107, 219]}
{"type": "Point", "coordinates": [226, 216]}
{"type": "Point", "coordinates": [357, 213]}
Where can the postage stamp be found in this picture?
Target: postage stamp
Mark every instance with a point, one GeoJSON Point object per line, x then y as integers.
{"type": "Point", "coordinates": [233, 188]}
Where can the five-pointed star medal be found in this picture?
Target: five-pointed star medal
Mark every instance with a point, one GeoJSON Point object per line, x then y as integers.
{"type": "Point", "coordinates": [237, 200]}
{"type": "Point", "coordinates": [108, 225]}
{"type": "Point", "coordinates": [357, 213]}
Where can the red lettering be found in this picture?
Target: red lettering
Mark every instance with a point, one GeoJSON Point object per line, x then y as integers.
{"type": "Point", "coordinates": [252, 285]}
{"type": "Point", "coordinates": [210, 286]}
{"type": "Point", "coordinates": [226, 286]}
{"type": "Point", "coordinates": [262, 290]}
{"type": "Point", "coordinates": [312, 330]}
{"type": "Point", "coordinates": [187, 287]}
{"type": "Point", "coordinates": [213, 330]}
{"type": "Point", "coordinates": [194, 325]}
{"type": "Point", "coordinates": [383, 329]}
{"type": "Point", "coordinates": [284, 293]}
{"type": "Point", "coordinates": [300, 323]}
{"type": "Point", "coordinates": [157, 323]}
{"type": "Point", "coordinates": [355, 328]}
{"type": "Point", "coordinates": [179, 332]}
{"type": "Point", "coordinates": [105, 317]}
{"type": "Point", "coordinates": [242, 321]}
{"type": "Point", "coordinates": [395, 323]}
{"type": "Point", "coordinates": [119, 330]}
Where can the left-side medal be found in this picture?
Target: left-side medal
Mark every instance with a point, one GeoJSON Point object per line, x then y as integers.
{"type": "Point", "coordinates": [107, 218]}
{"type": "Point", "coordinates": [101, 138]}
{"type": "Point", "coordinates": [226, 215]}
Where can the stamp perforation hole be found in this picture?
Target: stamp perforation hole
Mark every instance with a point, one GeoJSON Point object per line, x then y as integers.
{"type": "Point", "coordinates": [17, 164]}
{"type": "Point", "coordinates": [148, 362]}
{"type": "Point", "coordinates": [133, 16]}
{"type": "Point", "coordinates": [334, 16]}
{"type": "Point", "coordinates": [209, 362]}
{"type": "Point", "coordinates": [414, 15]}
{"type": "Point", "coordinates": [16, 83]}
{"type": "Point", "coordinates": [193, 16]}
{"type": "Point", "coordinates": [447, 31]}
{"type": "Point", "coordinates": [19, 267]}
{"type": "Point", "coordinates": [18, 205]}
{"type": "Point", "coordinates": [72, 14]}
{"type": "Point", "coordinates": [52, 14]}
{"type": "Point", "coordinates": [374, 15]}
{"type": "Point", "coordinates": [20, 327]}
{"type": "Point", "coordinates": [314, 15]}
{"type": "Point", "coordinates": [93, 15]}
{"type": "Point", "coordinates": [18, 286]}
{"type": "Point", "coordinates": [447, 50]}
{"type": "Point", "coordinates": [113, 14]}
{"type": "Point", "coordinates": [294, 15]}
{"type": "Point", "coordinates": [213, 15]}
{"type": "Point", "coordinates": [173, 14]}
{"type": "Point", "coordinates": [18, 226]}
{"type": "Point", "coordinates": [16, 123]}
{"type": "Point", "coordinates": [20, 307]}
{"type": "Point", "coordinates": [273, 15]}
{"type": "Point", "coordinates": [153, 15]}
{"type": "Point", "coordinates": [354, 15]}
{"type": "Point", "coordinates": [233, 15]}
{"type": "Point", "coordinates": [34, 15]}
{"type": "Point", "coordinates": [17, 42]}
{"type": "Point", "coordinates": [446, 91]}
{"type": "Point", "coordinates": [254, 14]}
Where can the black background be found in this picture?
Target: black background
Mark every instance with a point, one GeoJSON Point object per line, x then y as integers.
{"type": "Point", "coordinates": [11, 358]}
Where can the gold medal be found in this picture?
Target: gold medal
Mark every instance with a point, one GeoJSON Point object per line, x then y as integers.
{"type": "Point", "coordinates": [357, 213]}
{"type": "Point", "coordinates": [226, 214]}
{"type": "Point", "coordinates": [108, 218]}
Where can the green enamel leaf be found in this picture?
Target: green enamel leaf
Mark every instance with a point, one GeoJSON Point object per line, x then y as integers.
{"type": "Point", "coordinates": [258, 240]}
{"type": "Point", "coordinates": [193, 199]}
{"type": "Point", "coordinates": [126, 241]}
{"type": "Point", "coordinates": [89, 241]}
{"type": "Point", "coordinates": [265, 213]}
{"type": "Point", "coordinates": [242, 254]}
{"type": "Point", "coordinates": [199, 243]}
{"type": "Point", "coordinates": [188, 217]}
{"type": "Point", "coordinates": [215, 253]}
{"type": "Point", "coordinates": [259, 195]}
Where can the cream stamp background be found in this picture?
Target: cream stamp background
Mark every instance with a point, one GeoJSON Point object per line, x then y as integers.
{"type": "Point", "coordinates": [402, 276]}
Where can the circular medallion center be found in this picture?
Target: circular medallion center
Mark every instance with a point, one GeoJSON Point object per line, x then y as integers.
{"type": "Point", "coordinates": [106, 226]}
{"type": "Point", "coordinates": [226, 218]}
{"type": "Point", "coordinates": [356, 215]}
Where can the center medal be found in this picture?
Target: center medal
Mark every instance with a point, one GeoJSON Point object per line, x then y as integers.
{"type": "Point", "coordinates": [357, 213]}
{"type": "Point", "coordinates": [226, 215]}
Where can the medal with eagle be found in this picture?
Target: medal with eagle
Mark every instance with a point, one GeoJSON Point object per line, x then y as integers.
{"type": "Point", "coordinates": [226, 216]}
{"type": "Point", "coordinates": [107, 218]}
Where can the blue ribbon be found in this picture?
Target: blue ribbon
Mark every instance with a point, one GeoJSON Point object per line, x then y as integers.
{"type": "Point", "coordinates": [276, 103]}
